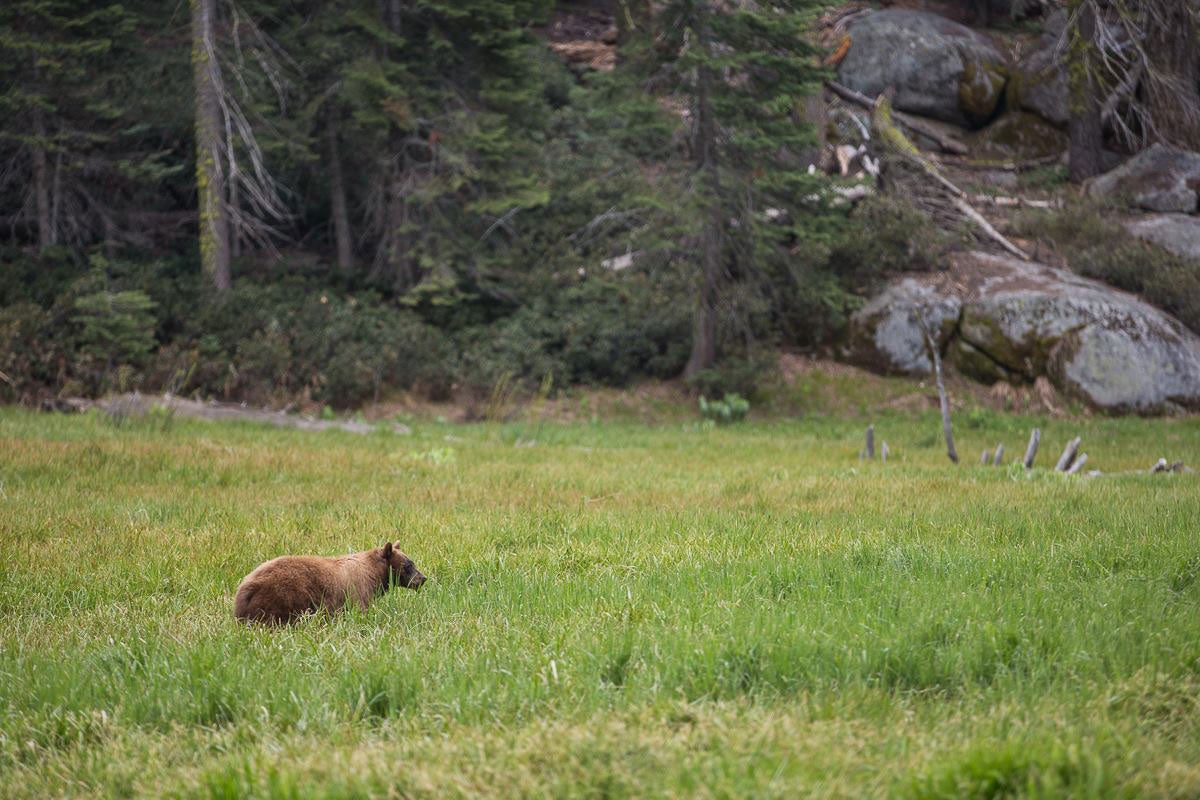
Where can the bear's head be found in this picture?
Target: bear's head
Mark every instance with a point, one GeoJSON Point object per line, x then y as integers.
{"type": "Point", "coordinates": [401, 569]}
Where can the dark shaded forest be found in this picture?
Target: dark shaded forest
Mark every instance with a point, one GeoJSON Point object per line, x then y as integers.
{"type": "Point", "coordinates": [289, 200]}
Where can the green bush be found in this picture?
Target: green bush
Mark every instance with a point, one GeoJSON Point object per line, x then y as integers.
{"type": "Point", "coordinates": [731, 408]}
{"type": "Point", "coordinates": [30, 352]}
{"type": "Point", "coordinates": [116, 328]}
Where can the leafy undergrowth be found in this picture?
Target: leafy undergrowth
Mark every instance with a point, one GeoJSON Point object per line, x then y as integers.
{"type": "Point", "coordinates": [614, 610]}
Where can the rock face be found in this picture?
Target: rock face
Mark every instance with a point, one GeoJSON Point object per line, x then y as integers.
{"type": "Point", "coordinates": [1017, 136]}
{"type": "Point", "coordinates": [1023, 320]}
{"type": "Point", "coordinates": [886, 334]}
{"type": "Point", "coordinates": [1160, 178]}
{"type": "Point", "coordinates": [940, 69]}
{"type": "Point", "coordinates": [1176, 233]}
{"type": "Point", "coordinates": [1039, 83]}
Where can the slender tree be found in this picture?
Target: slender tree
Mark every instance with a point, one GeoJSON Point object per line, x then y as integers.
{"type": "Point", "coordinates": [741, 71]}
{"type": "Point", "coordinates": [210, 173]}
{"type": "Point", "coordinates": [1086, 124]}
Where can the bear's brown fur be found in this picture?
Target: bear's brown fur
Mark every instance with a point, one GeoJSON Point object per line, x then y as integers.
{"type": "Point", "coordinates": [287, 587]}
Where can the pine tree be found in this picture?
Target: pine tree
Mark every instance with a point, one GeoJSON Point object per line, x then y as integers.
{"type": "Point", "coordinates": [425, 116]}
{"type": "Point", "coordinates": [53, 55]}
{"type": "Point", "coordinates": [740, 71]}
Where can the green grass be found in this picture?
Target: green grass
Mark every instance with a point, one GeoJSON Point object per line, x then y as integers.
{"type": "Point", "coordinates": [615, 610]}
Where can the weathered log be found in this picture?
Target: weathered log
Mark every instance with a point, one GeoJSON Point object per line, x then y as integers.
{"type": "Point", "coordinates": [1031, 451]}
{"type": "Point", "coordinates": [136, 405]}
{"type": "Point", "coordinates": [946, 143]}
{"type": "Point", "coordinates": [1159, 466]}
{"type": "Point", "coordinates": [1068, 455]}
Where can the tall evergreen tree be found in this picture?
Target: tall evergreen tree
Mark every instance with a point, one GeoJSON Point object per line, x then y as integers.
{"type": "Point", "coordinates": [739, 70]}
{"type": "Point", "coordinates": [55, 59]}
{"type": "Point", "coordinates": [422, 113]}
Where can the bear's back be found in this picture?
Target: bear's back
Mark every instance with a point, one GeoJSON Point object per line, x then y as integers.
{"type": "Point", "coordinates": [284, 588]}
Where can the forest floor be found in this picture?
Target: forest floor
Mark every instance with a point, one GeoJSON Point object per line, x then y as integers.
{"type": "Point", "coordinates": [614, 610]}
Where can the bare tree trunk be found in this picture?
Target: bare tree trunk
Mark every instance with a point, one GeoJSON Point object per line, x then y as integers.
{"type": "Point", "coordinates": [56, 198]}
{"type": "Point", "coordinates": [632, 16]}
{"type": "Point", "coordinates": [210, 179]}
{"type": "Point", "coordinates": [943, 398]}
{"type": "Point", "coordinates": [235, 229]}
{"type": "Point", "coordinates": [704, 328]}
{"type": "Point", "coordinates": [41, 181]}
{"type": "Point", "coordinates": [337, 200]}
{"type": "Point", "coordinates": [1086, 125]}
{"type": "Point", "coordinates": [392, 244]}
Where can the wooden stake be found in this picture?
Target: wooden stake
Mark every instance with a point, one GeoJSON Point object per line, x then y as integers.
{"type": "Point", "coordinates": [1068, 455]}
{"type": "Point", "coordinates": [999, 455]}
{"type": "Point", "coordinates": [1031, 451]}
{"type": "Point", "coordinates": [870, 442]}
{"type": "Point", "coordinates": [1078, 465]}
{"type": "Point", "coordinates": [985, 458]}
{"type": "Point", "coordinates": [883, 452]}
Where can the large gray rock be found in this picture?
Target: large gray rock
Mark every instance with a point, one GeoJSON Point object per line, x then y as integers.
{"type": "Point", "coordinates": [940, 69]}
{"type": "Point", "coordinates": [886, 334]}
{"type": "Point", "coordinates": [1175, 233]}
{"type": "Point", "coordinates": [1160, 178]}
{"type": "Point", "coordinates": [1039, 82]}
{"type": "Point", "coordinates": [1026, 320]}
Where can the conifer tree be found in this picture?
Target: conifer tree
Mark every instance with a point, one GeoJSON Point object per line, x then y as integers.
{"type": "Point", "coordinates": [739, 69]}
{"type": "Point", "coordinates": [52, 55]}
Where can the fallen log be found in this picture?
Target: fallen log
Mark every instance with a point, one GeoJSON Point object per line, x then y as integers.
{"type": "Point", "coordinates": [138, 405]}
{"type": "Point", "coordinates": [946, 143]}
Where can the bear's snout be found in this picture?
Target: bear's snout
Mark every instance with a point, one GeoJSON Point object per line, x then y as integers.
{"type": "Point", "coordinates": [416, 581]}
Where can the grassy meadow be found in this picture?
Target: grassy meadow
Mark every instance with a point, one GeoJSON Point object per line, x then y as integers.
{"type": "Point", "coordinates": [614, 610]}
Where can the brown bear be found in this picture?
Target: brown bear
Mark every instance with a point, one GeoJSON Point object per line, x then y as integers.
{"type": "Point", "coordinates": [284, 588]}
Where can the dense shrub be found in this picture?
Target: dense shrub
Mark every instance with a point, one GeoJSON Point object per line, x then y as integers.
{"type": "Point", "coordinates": [294, 332]}
{"type": "Point", "coordinates": [1098, 248]}
{"type": "Point", "coordinates": [598, 330]}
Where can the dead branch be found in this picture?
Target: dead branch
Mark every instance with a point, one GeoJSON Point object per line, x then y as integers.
{"type": "Point", "coordinates": [943, 398]}
{"type": "Point", "coordinates": [1031, 451]}
{"type": "Point", "coordinates": [946, 143]}
{"type": "Point", "coordinates": [1068, 455]}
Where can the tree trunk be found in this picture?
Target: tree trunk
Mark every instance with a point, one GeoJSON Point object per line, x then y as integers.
{"type": "Point", "coordinates": [210, 179]}
{"type": "Point", "coordinates": [704, 327]}
{"type": "Point", "coordinates": [41, 181]}
{"type": "Point", "coordinates": [235, 228]}
{"type": "Point", "coordinates": [337, 200]}
{"type": "Point", "coordinates": [1086, 126]}
{"type": "Point", "coordinates": [1174, 99]}
{"type": "Point", "coordinates": [632, 16]}
{"type": "Point", "coordinates": [392, 243]}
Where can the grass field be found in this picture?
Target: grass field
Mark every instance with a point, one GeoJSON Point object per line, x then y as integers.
{"type": "Point", "coordinates": [614, 610]}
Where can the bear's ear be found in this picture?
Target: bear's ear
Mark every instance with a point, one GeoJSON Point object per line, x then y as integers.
{"type": "Point", "coordinates": [387, 552]}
